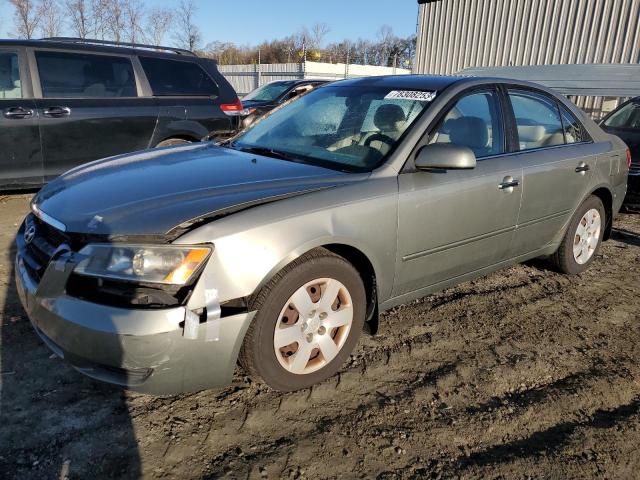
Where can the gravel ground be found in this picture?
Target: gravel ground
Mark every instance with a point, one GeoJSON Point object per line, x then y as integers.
{"type": "Point", "coordinates": [522, 374]}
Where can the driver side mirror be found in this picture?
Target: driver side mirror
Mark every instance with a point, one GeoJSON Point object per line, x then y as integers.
{"type": "Point", "coordinates": [445, 156]}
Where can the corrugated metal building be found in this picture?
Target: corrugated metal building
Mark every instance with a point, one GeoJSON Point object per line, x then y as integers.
{"type": "Point", "coordinates": [457, 34]}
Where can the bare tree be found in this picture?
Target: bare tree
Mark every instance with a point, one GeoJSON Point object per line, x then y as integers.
{"type": "Point", "coordinates": [159, 22]}
{"type": "Point", "coordinates": [80, 17]}
{"type": "Point", "coordinates": [117, 19]}
{"type": "Point", "coordinates": [50, 18]}
{"type": "Point", "coordinates": [134, 18]}
{"type": "Point", "coordinates": [318, 32]}
{"type": "Point", "coordinates": [100, 18]}
{"type": "Point", "coordinates": [187, 34]}
{"type": "Point", "coordinates": [25, 18]}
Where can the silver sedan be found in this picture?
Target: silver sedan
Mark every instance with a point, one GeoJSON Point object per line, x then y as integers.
{"type": "Point", "coordinates": [161, 270]}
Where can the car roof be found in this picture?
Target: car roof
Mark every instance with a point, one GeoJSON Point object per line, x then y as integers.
{"type": "Point", "coordinates": [410, 82]}
{"type": "Point", "coordinates": [87, 45]}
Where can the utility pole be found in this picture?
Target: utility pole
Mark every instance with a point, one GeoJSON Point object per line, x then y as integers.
{"type": "Point", "coordinates": [346, 66]}
{"type": "Point", "coordinates": [259, 71]}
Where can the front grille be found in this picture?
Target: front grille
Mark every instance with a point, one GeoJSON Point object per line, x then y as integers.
{"type": "Point", "coordinates": [634, 169]}
{"type": "Point", "coordinates": [37, 253]}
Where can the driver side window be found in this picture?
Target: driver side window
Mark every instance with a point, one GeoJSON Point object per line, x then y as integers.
{"type": "Point", "coordinates": [474, 122]}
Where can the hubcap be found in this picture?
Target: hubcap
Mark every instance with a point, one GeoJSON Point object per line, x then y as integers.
{"type": "Point", "coordinates": [587, 236]}
{"type": "Point", "coordinates": [313, 326]}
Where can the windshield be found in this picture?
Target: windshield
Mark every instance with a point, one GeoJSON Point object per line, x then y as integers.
{"type": "Point", "coordinates": [351, 128]}
{"type": "Point", "coordinates": [268, 92]}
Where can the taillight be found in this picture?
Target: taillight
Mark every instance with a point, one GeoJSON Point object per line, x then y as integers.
{"type": "Point", "coordinates": [233, 109]}
{"type": "Point", "coordinates": [628, 158]}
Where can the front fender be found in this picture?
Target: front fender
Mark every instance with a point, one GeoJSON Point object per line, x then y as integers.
{"type": "Point", "coordinates": [252, 245]}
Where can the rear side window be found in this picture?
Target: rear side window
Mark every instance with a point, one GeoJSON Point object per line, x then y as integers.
{"type": "Point", "coordinates": [77, 75]}
{"type": "Point", "coordinates": [175, 78]}
{"type": "Point", "coordinates": [10, 85]}
{"type": "Point", "coordinates": [473, 122]}
{"type": "Point", "coordinates": [627, 117]}
{"type": "Point", "coordinates": [574, 131]}
{"type": "Point", "coordinates": [537, 119]}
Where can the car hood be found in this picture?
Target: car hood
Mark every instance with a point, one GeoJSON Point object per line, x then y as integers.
{"type": "Point", "coordinates": [158, 191]}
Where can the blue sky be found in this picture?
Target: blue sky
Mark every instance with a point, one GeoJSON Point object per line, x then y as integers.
{"type": "Point", "coordinates": [252, 21]}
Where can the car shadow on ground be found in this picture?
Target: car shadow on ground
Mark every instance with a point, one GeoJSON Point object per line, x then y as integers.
{"type": "Point", "coordinates": [50, 413]}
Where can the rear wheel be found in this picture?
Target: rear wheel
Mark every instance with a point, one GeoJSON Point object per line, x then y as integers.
{"type": "Point", "coordinates": [172, 141]}
{"type": "Point", "coordinates": [582, 241]}
{"type": "Point", "coordinates": [309, 320]}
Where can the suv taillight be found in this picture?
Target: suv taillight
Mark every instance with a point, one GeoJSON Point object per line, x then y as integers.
{"type": "Point", "coordinates": [628, 158]}
{"type": "Point", "coordinates": [233, 109]}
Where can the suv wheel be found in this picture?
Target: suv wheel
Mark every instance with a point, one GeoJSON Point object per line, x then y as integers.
{"type": "Point", "coordinates": [309, 319]}
{"type": "Point", "coordinates": [172, 141]}
{"type": "Point", "coordinates": [583, 238]}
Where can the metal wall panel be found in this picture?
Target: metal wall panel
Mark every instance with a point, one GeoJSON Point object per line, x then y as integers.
{"type": "Point", "coordinates": [458, 34]}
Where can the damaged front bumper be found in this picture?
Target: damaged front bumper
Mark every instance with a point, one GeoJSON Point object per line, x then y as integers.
{"type": "Point", "coordinates": [145, 350]}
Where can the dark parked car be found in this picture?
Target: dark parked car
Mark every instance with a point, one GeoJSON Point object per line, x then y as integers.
{"type": "Point", "coordinates": [624, 122]}
{"type": "Point", "coordinates": [65, 102]}
{"type": "Point", "coordinates": [271, 95]}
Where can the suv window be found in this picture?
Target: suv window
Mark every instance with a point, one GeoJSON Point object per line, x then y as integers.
{"type": "Point", "coordinates": [574, 132]}
{"type": "Point", "coordinates": [473, 122]}
{"type": "Point", "coordinates": [79, 75]}
{"type": "Point", "coordinates": [176, 78]}
{"type": "Point", "coordinates": [626, 117]}
{"type": "Point", "coordinates": [10, 86]}
{"type": "Point", "coordinates": [537, 119]}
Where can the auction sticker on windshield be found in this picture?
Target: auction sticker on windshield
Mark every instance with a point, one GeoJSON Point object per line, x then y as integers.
{"type": "Point", "coordinates": [411, 95]}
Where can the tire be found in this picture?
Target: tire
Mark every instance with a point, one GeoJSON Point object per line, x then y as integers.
{"type": "Point", "coordinates": [298, 361]}
{"type": "Point", "coordinates": [172, 141]}
{"type": "Point", "coordinates": [587, 225]}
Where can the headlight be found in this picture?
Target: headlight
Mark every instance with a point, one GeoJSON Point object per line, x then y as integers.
{"type": "Point", "coordinates": [174, 265]}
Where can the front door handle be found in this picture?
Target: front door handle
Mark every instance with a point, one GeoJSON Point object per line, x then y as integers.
{"type": "Point", "coordinates": [582, 168]}
{"type": "Point", "coordinates": [15, 113]}
{"type": "Point", "coordinates": [57, 112]}
{"type": "Point", "coordinates": [508, 184]}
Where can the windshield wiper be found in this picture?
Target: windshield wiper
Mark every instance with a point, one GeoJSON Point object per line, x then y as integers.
{"type": "Point", "coordinates": [267, 152]}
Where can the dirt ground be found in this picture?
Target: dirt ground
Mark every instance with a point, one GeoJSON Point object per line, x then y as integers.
{"type": "Point", "coordinates": [523, 374]}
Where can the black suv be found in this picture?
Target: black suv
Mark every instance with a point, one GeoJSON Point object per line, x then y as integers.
{"type": "Point", "coordinates": [66, 101]}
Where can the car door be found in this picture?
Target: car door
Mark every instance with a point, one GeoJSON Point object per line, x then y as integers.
{"type": "Point", "coordinates": [558, 160]}
{"type": "Point", "coordinates": [20, 152]}
{"type": "Point", "coordinates": [459, 221]}
{"type": "Point", "coordinates": [89, 108]}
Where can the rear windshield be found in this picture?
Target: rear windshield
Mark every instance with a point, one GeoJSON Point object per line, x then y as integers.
{"type": "Point", "coordinates": [627, 117]}
{"type": "Point", "coordinates": [268, 92]}
{"type": "Point", "coordinates": [176, 78]}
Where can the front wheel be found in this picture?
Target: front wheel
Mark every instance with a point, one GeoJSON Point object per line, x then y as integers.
{"type": "Point", "coordinates": [583, 238]}
{"type": "Point", "coordinates": [309, 320]}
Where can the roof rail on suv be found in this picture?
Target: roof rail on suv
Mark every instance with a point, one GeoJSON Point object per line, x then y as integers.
{"type": "Point", "coordinates": [91, 41]}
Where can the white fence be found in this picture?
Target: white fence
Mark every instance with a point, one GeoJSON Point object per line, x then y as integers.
{"type": "Point", "coordinates": [245, 78]}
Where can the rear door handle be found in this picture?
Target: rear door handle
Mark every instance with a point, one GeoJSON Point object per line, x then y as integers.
{"type": "Point", "coordinates": [582, 168]}
{"type": "Point", "coordinates": [57, 112]}
{"type": "Point", "coordinates": [508, 184]}
{"type": "Point", "coordinates": [16, 113]}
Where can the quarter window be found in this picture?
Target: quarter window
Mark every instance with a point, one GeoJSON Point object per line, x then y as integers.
{"type": "Point", "coordinates": [473, 122]}
{"type": "Point", "coordinates": [176, 78]}
{"type": "Point", "coordinates": [10, 85]}
{"type": "Point", "coordinates": [77, 75]}
{"type": "Point", "coordinates": [537, 120]}
{"type": "Point", "coordinates": [574, 132]}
